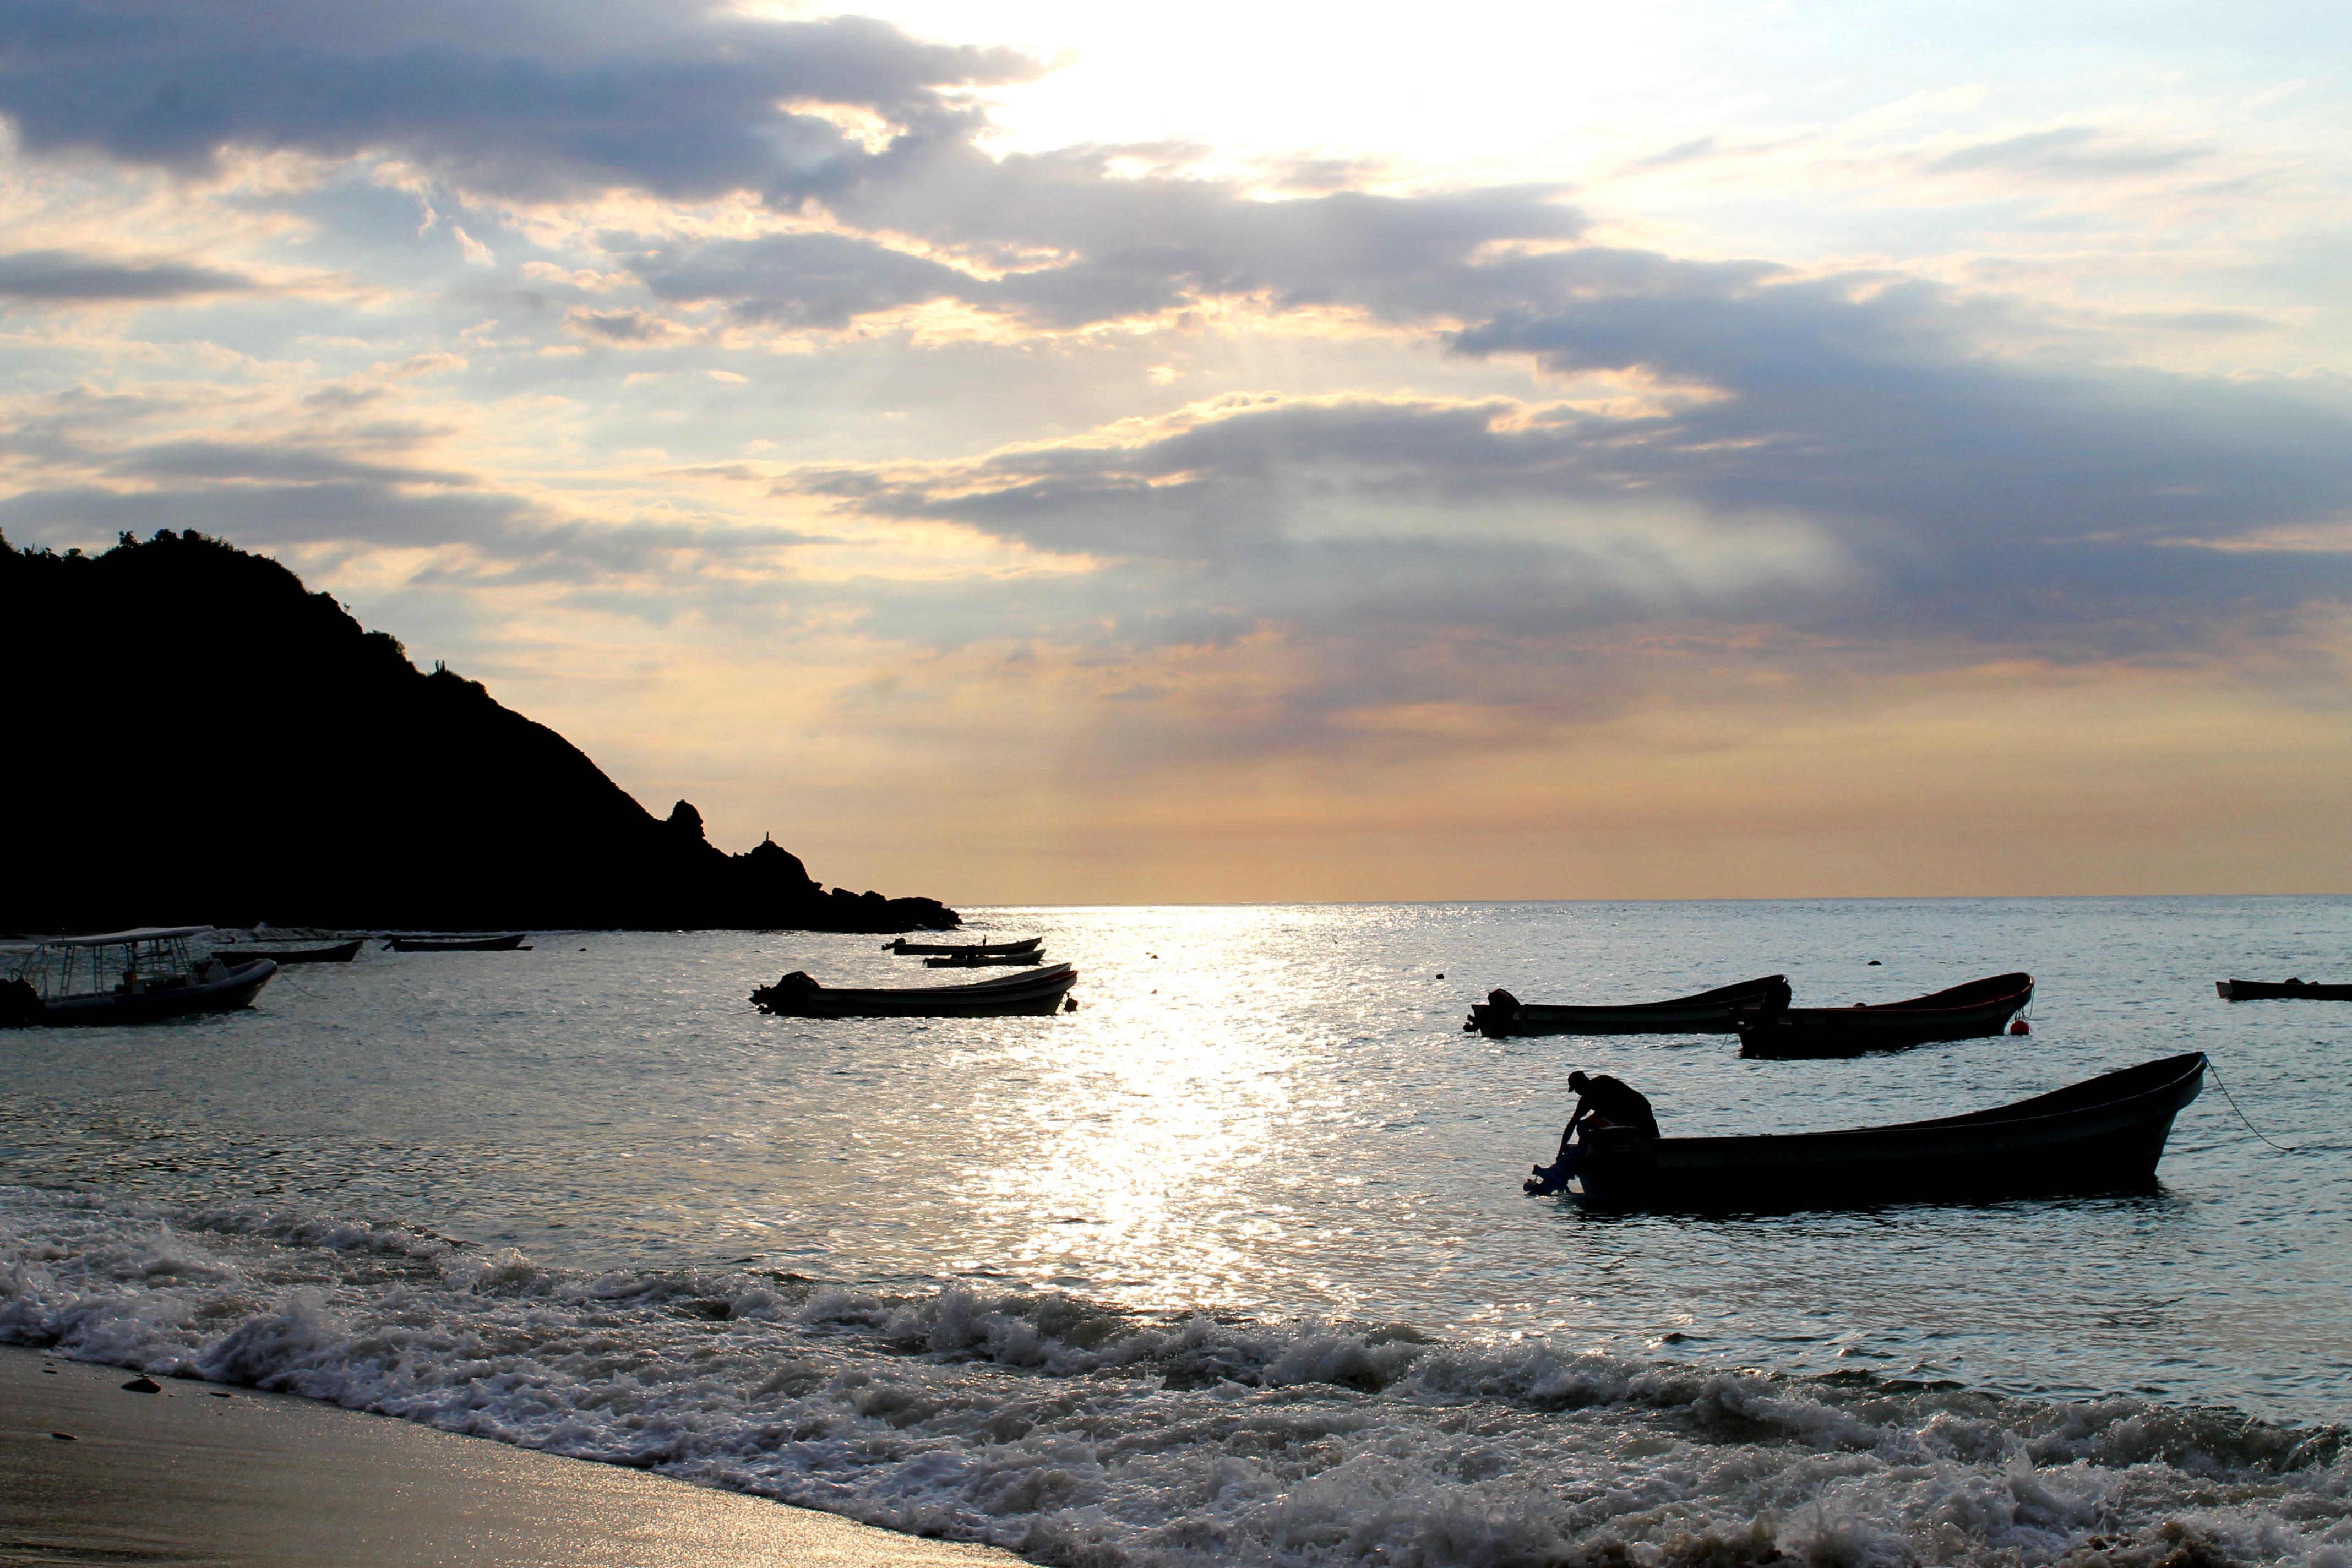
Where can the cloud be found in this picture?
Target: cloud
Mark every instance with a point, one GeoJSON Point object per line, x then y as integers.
{"type": "Point", "coordinates": [822, 280]}
{"type": "Point", "coordinates": [1130, 248]}
{"type": "Point", "coordinates": [2066, 153]}
{"type": "Point", "coordinates": [1862, 469]}
{"type": "Point", "coordinates": [68, 277]}
{"type": "Point", "coordinates": [532, 99]}
{"type": "Point", "coordinates": [625, 327]}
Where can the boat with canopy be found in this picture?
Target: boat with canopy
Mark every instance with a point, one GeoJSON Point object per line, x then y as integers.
{"type": "Point", "coordinates": [139, 976]}
{"type": "Point", "coordinates": [2105, 1134]}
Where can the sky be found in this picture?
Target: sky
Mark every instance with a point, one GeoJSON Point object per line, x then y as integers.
{"type": "Point", "coordinates": [1037, 452]}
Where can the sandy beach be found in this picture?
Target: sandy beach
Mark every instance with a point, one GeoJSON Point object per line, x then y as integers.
{"type": "Point", "coordinates": [195, 1474]}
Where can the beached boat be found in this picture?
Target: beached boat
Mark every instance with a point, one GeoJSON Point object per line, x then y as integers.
{"type": "Point", "coordinates": [1967, 1012]}
{"type": "Point", "coordinates": [510, 943]}
{"type": "Point", "coordinates": [959, 949]}
{"type": "Point", "coordinates": [798, 996]}
{"type": "Point", "coordinates": [983, 960]}
{"type": "Point", "coordinates": [1707, 1013]}
{"type": "Point", "coordinates": [334, 953]}
{"type": "Point", "coordinates": [140, 976]}
{"type": "Point", "coordinates": [2102, 1135]}
{"type": "Point", "coordinates": [2271, 989]}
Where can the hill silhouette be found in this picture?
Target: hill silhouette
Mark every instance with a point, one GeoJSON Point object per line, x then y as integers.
{"type": "Point", "coordinates": [198, 738]}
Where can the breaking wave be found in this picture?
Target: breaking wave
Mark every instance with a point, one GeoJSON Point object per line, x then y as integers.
{"type": "Point", "coordinates": [1086, 1435]}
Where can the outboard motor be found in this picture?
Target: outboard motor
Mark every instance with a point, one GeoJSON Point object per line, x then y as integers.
{"type": "Point", "coordinates": [20, 1004]}
{"type": "Point", "coordinates": [1501, 1008]}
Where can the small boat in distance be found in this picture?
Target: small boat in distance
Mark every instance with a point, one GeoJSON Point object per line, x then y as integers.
{"type": "Point", "coordinates": [2105, 1134]}
{"type": "Point", "coordinates": [334, 953]}
{"type": "Point", "coordinates": [510, 943]}
{"type": "Point", "coordinates": [957, 948]}
{"type": "Point", "coordinates": [1967, 1012]}
{"type": "Point", "coordinates": [983, 960]}
{"type": "Point", "coordinates": [139, 976]}
{"type": "Point", "coordinates": [1707, 1013]}
{"type": "Point", "coordinates": [1008, 995]}
{"type": "Point", "coordinates": [2278, 990]}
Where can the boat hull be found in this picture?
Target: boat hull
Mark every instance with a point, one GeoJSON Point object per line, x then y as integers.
{"type": "Point", "coordinates": [965, 949]}
{"type": "Point", "coordinates": [1012, 996]}
{"type": "Point", "coordinates": [2281, 991]}
{"type": "Point", "coordinates": [233, 990]}
{"type": "Point", "coordinates": [1972, 1012]}
{"type": "Point", "coordinates": [2104, 1135]}
{"type": "Point", "coordinates": [339, 952]}
{"type": "Point", "coordinates": [509, 943]}
{"type": "Point", "coordinates": [1709, 1013]}
{"type": "Point", "coordinates": [984, 961]}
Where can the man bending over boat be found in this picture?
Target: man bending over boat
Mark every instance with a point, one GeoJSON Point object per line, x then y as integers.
{"type": "Point", "coordinates": [1600, 1101]}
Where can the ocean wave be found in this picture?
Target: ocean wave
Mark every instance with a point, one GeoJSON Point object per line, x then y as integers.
{"type": "Point", "coordinates": [1085, 1435]}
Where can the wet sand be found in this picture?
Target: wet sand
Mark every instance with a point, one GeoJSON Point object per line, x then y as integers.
{"type": "Point", "coordinates": [256, 1480]}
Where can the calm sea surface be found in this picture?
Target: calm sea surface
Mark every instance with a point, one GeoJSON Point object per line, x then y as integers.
{"type": "Point", "coordinates": [1232, 1264]}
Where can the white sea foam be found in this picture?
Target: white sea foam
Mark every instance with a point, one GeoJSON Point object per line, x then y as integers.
{"type": "Point", "coordinates": [1084, 1436]}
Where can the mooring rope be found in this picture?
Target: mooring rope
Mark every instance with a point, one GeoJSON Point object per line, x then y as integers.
{"type": "Point", "coordinates": [2233, 1105]}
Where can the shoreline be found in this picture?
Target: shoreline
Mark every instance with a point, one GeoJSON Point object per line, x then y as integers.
{"type": "Point", "coordinates": [198, 1474]}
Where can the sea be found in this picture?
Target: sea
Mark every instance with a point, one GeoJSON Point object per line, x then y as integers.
{"type": "Point", "coordinates": [1232, 1264]}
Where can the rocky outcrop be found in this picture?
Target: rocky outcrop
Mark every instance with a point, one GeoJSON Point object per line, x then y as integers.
{"type": "Point", "coordinates": [199, 738]}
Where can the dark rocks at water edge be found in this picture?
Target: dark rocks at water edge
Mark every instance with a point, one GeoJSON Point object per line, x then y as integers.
{"type": "Point", "coordinates": [196, 737]}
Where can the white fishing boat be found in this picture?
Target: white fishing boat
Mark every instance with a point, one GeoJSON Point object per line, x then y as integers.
{"type": "Point", "coordinates": [139, 976]}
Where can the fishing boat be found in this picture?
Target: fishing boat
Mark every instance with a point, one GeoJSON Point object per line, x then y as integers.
{"type": "Point", "coordinates": [2105, 1134]}
{"type": "Point", "coordinates": [983, 960]}
{"type": "Point", "coordinates": [334, 953]}
{"type": "Point", "coordinates": [2274, 990]}
{"type": "Point", "coordinates": [798, 996]}
{"type": "Point", "coordinates": [139, 976]}
{"type": "Point", "coordinates": [1965, 1012]}
{"type": "Point", "coordinates": [1707, 1013]}
{"type": "Point", "coordinates": [510, 943]}
{"type": "Point", "coordinates": [961, 948]}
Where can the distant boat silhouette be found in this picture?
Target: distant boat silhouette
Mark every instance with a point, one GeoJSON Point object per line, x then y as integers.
{"type": "Point", "coordinates": [983, 960]}
{"type": "Point", "coordinates": [1968, 1012]}
{"type": "Point", "coordinates": [1707, 1013]}
{"type": "Point", "coordinates": [334, 953]}
{"type": "Point", "coordinates": [2281, 990]}
{"type": "Point", "coordinates": [510, 942]}
{"type": "Point", "coordinates": [798, 996]}
{"type": "Point", "coordinates": [962, 949]}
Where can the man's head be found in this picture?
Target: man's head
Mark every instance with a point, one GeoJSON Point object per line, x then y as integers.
{"type": "Point", "coordinates": [1579, 1082]}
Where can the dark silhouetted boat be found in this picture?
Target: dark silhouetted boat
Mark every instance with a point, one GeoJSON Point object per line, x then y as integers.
{"type": "Point", "coordinates": [1965, 1012]}
{"type": "Point", "coordinates": [2278, 990]}
{"type": "Point", "coordinates": [334, 953]}
{"type": "Point", "coordinates": [798, 996]}
{"type": "Point", "coordinates": [2103, 1135]}
{"type": "Point", "coordinates": [964, 949]}
{"type": "Point", "coordinates": [140, 976]}
{"type": "Point", "coordinates": [983, 960]}
{"type": "Point", "coordinates": [1709, 1013]}
{"type": "Point", "coordinates": [510, 943]}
